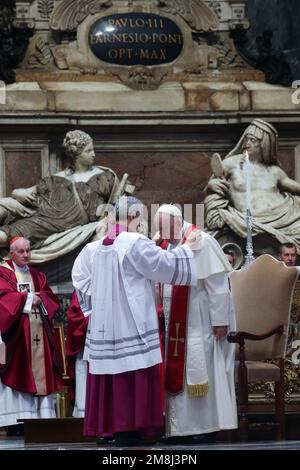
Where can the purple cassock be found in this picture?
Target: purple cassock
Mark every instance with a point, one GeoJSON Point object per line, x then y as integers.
{"type": "Point", "coordinates": [130, 401]}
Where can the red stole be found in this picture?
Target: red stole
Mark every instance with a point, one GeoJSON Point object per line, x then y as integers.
{"type": "Point", "coordinates": [177, 335]}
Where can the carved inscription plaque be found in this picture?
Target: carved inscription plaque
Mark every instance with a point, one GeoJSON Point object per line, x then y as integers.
{"type": "Point", "coordinates": [135, 39]}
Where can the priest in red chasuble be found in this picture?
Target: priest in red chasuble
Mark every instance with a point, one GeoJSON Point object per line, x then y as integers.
{"type": "Point", "coordinates": [31, 372]}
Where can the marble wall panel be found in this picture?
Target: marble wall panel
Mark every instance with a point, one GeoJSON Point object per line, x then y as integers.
{"type": "Point", "coordinates": [162, 176]}
{"type": "Point", "coordinates": [22, 169]}
{"type": "Point", "coordinates": [173, 176]}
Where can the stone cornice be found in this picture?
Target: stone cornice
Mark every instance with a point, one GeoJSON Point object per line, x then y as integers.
{"type": "Point", "coordinates": [188, 101]}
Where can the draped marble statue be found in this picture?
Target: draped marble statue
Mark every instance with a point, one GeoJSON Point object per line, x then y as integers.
{"type": "Point", "coordinates": [64, 210]}
{"type": "Point", "coordinates": [275, 196]}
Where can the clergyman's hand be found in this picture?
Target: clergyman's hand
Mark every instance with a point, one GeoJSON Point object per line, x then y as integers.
{"type": "Point", "coordinates": [157, 238]}
{"type": "Point", "coordinates": [220, 332]}
{"type": "Point", "coordinates": [194, 240]}
{"type": "Point", "coordinates": [36, 300]}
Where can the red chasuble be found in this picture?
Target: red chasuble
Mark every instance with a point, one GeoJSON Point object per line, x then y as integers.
{"type": "Point", "coordinates": [76, 332]}
{"type": "Point", "coordinates": [176, 347]}
{"type": "Point", "coordinates": [15, 331]}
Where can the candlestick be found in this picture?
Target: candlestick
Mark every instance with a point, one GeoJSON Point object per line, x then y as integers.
{"type": "Point", "coordinates": [247, 173]}
{"type": "Point", "coordinates": [249, 221]}
{"type": "Point", "coordinates": [249, 244]}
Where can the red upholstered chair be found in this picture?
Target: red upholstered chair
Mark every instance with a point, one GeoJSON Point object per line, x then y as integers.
{"type": "Point", "coordinates": [262, 294]}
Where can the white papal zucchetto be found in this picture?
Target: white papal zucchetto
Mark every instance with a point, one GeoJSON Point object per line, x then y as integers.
{"type": "Point", "coordinates": [169, 209]}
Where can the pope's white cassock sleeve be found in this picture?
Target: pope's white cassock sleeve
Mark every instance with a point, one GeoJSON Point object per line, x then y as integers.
{"type": "Point", "coordinates": [210, 304]}
{"type": "Point", "coordinates": [115, 286]}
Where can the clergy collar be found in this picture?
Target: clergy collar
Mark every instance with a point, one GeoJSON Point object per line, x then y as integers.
{"type": "Point", "coordinates": [113, 234]}
{"type": "Point", "coordinates": [25, 269]}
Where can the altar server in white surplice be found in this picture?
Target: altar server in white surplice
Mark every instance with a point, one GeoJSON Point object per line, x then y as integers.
{"type": "Point", "coordinates": [114, 279]}
{"type": "Point", "coordinates": [200, 394]}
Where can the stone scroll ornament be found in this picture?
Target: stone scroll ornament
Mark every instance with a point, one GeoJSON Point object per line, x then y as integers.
{"type": "Point", "coordinates": [68, 14]}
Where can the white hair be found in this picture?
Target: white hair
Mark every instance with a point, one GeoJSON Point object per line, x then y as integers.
{"type": "Point", "coordinates": [12, 246]}
{"type": "Point", "coordinates": [128, 206]}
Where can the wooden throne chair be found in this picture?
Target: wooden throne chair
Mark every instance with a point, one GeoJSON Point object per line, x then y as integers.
{"type": "Point", "coordinates": [262, 294]}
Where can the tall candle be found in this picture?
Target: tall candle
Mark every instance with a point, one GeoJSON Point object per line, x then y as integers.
{"type": "Point", "coordinates": [247, 175]}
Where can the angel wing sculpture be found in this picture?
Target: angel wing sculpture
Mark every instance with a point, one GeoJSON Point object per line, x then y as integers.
{"type": "Point", "coordinates": [68, 14]}
{"type": "Point", "coordinates": [194, 12]}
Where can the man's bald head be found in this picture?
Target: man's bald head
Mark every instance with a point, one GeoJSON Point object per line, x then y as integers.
{"type": "Point", "coordinates": [19, 251]}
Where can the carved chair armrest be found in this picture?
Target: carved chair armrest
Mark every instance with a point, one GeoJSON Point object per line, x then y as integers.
{"type": "Point", "coordinates": [240, 336]}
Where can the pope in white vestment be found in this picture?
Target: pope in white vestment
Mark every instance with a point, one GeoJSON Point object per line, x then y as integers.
{"type": "Point", "coordinates": [206, 402]}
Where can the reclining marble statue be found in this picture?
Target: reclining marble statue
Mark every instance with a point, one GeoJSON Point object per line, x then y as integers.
{"type": "Point", "coordinates": [64, 210]}
{"type": "Point", "coordinates": [275, 196]}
